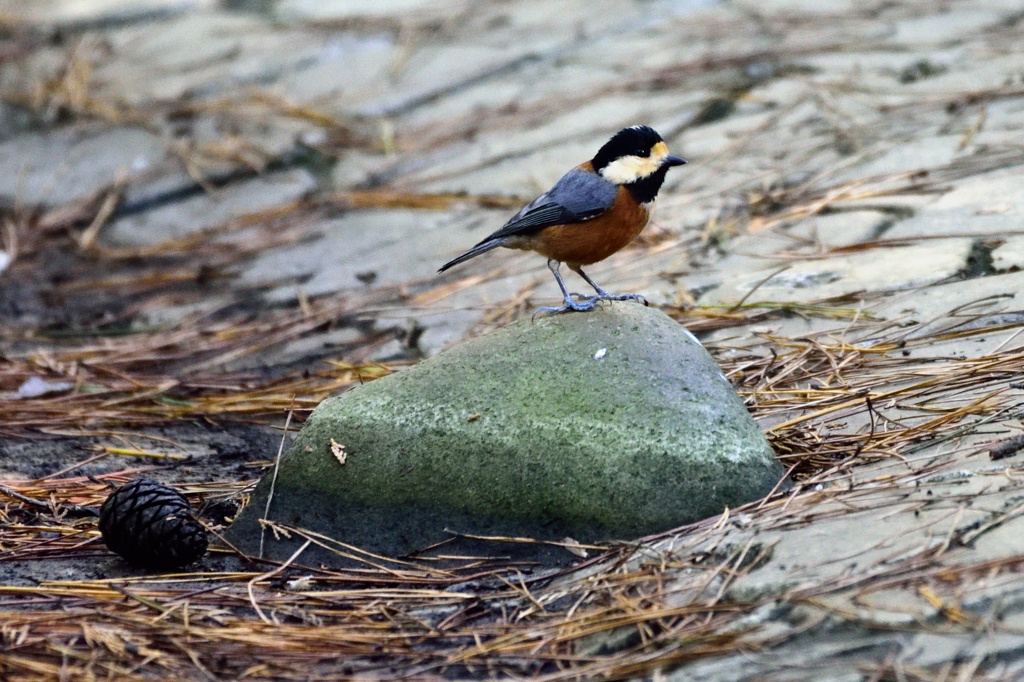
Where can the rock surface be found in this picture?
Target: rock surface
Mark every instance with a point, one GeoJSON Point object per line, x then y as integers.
{"type": "Point", "coordinates": [607, 425]}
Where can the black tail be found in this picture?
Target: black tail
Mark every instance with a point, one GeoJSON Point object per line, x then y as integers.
{"type": "Point", "coordinates": [482, 247]}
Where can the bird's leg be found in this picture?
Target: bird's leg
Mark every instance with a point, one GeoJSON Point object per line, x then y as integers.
{"type": "Point", "coordinates": [603, 295]}
{"type": "Point", "coordinates": [568, 303]}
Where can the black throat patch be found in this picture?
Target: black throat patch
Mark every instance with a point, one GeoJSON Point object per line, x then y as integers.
{"type": "Point", "coordinates": [645, 189]}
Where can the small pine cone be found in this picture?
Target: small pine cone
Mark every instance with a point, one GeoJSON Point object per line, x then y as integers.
{"type": "Point", "coordinates": [151, 525]}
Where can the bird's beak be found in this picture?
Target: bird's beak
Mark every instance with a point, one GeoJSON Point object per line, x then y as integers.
{"type": "Point", "coordinates": [672, 161]}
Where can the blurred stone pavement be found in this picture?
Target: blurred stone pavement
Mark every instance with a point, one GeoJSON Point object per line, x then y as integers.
{"type": "Point", "coordinates": [863, 155]}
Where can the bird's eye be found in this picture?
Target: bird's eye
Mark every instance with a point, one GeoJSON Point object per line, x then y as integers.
{"type": "Point", "coordinates": [642, 152]}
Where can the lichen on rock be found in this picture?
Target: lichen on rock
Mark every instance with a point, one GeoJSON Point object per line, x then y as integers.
{"type": "Point", "coordinates": [531, 431]}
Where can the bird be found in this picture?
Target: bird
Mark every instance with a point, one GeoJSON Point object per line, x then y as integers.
{"type": "Point", "coordinates": [590, 213]}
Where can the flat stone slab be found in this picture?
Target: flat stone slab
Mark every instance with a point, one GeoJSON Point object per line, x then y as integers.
{"type": "Point", "coordinates": [876, 270]}
{"type": "Point", "coordinates": [611, 424]}
{"type": "Point", "coordinates": [205, 211]}
{"type": "Point", "coordinates": [74, 162]}
{"type": "Point", "coordinates": [1010, 255]}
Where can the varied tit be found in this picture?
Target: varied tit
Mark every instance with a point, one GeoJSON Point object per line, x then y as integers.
{"type": "Point", "coordinates": [592, 212]}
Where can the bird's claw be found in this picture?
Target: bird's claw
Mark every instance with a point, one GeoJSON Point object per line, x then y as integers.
{"type": "Point", "coordinates": [624, 297]}
{"type": "Point", "coordinates": [568, 306]}
{"type": "Point", "coordinates": [616, 297]}
{"type": "Point", "coordinates": [584, 303]}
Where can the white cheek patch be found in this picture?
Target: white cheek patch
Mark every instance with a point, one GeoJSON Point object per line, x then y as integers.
{"type": "Point", "coordinates": [629, 169]}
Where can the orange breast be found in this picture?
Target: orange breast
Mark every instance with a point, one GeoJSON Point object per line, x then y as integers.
{"type": "Point", "coordinates": [593, 240]}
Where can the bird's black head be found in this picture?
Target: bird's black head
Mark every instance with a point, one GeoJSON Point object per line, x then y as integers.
{"type": "Point", "coordinates": [634, 141]}
{"type": "Point", "coordinates": [638, 158]}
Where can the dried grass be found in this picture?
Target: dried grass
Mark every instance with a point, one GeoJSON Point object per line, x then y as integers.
{"type": "Point", "coordinates": [153, 378]}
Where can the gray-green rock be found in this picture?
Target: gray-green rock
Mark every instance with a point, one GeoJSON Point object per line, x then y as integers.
{"type": "Point", "coordinates": [610, 424]}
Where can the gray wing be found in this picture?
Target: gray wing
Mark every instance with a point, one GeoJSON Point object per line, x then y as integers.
{"type": "Point", "coordinates": [577, 197]}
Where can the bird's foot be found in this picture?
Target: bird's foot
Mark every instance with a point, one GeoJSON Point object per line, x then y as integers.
{"type": "Point", "coordinates": [605, 296]}
{"type": "Point", "coordinates": [569, 306]}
